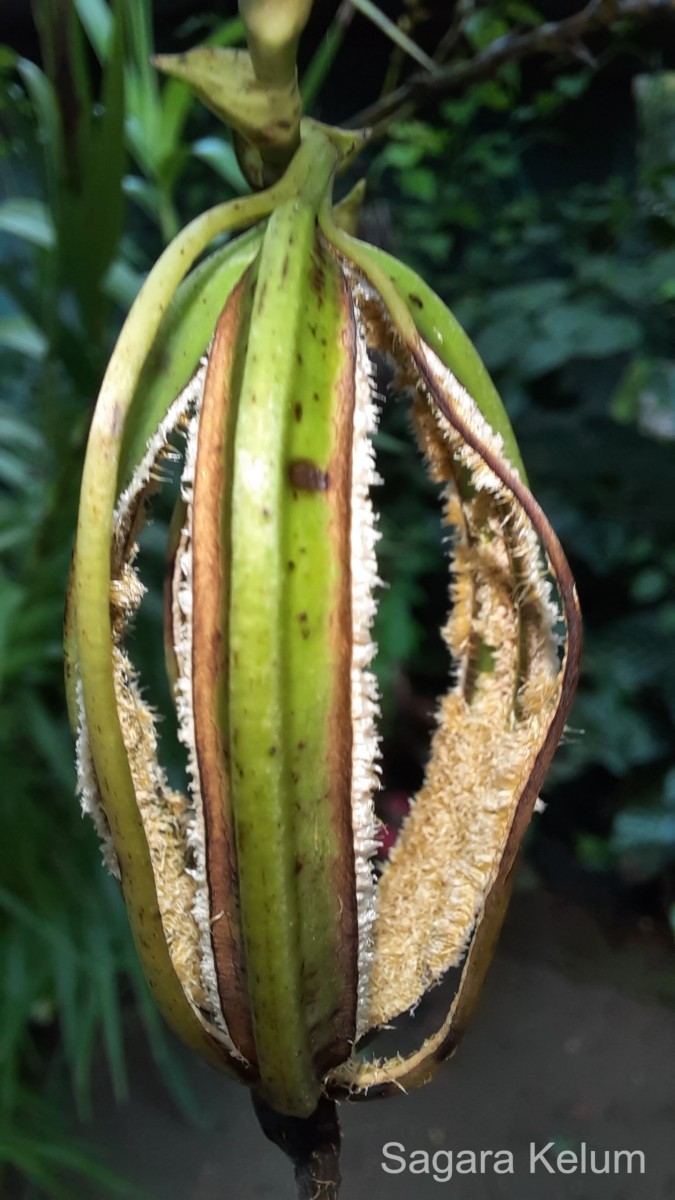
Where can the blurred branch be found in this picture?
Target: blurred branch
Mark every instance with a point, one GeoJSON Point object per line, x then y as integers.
{"type": "Point", "coordinates": [394, 32]}
{"type": "Point", "coordinates": [453, 35]}
{"type": "Point", "coordinates": [414, 14]}
{"type": "Point", "coordinates": [550, 38]}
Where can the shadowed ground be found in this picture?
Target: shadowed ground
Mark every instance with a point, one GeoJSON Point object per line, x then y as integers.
{"type": "Point", "coordinates": [574, 1041]}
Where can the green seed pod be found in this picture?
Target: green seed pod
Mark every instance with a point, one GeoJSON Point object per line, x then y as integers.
{"type": "Point", "coordinates": [270, 942]}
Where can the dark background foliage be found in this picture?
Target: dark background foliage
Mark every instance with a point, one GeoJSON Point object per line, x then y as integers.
{"type": "Point", "coordinates": [541, 205]}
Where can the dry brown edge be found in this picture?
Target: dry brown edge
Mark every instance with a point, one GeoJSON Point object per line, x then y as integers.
{"type": "Point", "coordinates": [339, 736]}
{"type": "Point", "coordinates": [212, 483]}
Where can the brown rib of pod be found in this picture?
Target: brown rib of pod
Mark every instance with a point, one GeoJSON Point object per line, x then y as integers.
{"type": "Point", "coordinates": [210, 598]}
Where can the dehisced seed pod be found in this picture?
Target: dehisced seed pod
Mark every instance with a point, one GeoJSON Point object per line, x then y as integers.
{"type": "Point", "coordinates": [269, 941]}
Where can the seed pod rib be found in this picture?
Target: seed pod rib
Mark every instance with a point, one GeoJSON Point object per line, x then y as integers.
{"type": "Point", "coordinates": [289, 660]}
{"type": "Point", "coordinates": [209, 583]}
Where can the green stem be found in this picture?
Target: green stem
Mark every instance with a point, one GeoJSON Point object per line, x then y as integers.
{"type": "Point", "coordinates": [273, 29]}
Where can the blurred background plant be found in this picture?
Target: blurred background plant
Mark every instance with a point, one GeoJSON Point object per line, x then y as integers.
{"type": "Point", "coordinates": [540, 203]}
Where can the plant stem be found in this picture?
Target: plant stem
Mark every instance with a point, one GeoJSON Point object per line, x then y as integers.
{"type": "Point", "coordinates": [273, 28]}
{"type": "Point", "coordinates": [312, 1143]}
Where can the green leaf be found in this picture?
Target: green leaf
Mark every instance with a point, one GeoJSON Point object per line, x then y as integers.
{"type": "Point", "coordinates": [8, 58]}
{"type": "Point", "coordinates": [163, 1053]}
{"type": "Point", "coordinates": [28, 219]}
{"type": "Point", "coordinates": [645, 396]}
{"type": "Point", "coordinates": [523, 13]}
{"type": "Point", "coordinates": [319, 68]}
{"type": "Point", "coordinates": [20, 334]}
{"type": "Point", "coordinates": [635, 828]}
{"type": "Point", "coordinates": [655, 100]}
{"type": "Point", "coordinates": [482, 27]}
{"type": "Point", "coordinates": [493, 95]}
{"type": "Point", "coordinates": [649, 586]}
{"type": "Point", "coordinates": [144, 111]}
{"type": "Point", "coordinates": [142, 192]}
{"type": "Point", "coordinates": [105, 982]}
{"type": "Point", "coordinates": [51, 735]}
{"type": "Point", "coordinates": [421, 183]}
{"type": "Point", "coordinates": [219, 154]}
{"type": "Point", "coordinates": [122, 284]}
{"type": "Point", "coordinates": [101, 207]}
{"type": "Point", "coordinates": [460, 112]}
{"type": "Point", "coordinates": [572, 86]}
{"type": "Point", "coordinates": [590, 332]}
{"type": "Point", "coordinates": [568, 331]}
{"type": "Point", "coordinates": [502, 341]}
{"type": "Point", "coordinates": [16, 431]}
{"type": "Point", "coordinates": [593, 852]}
{"type": "Point", "coordinates": [45, 106]}
{"type": "Point", "coordinates": [98, 21]}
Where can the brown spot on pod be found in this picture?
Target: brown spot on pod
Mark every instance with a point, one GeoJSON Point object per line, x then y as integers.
{"type": "Point", "coordinates": [306, 476]}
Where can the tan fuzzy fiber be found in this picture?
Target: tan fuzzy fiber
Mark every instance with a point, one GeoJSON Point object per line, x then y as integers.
{"type": "Point", "coordinates": [164, 813]}
{"type": "Point", "coordinates": [181, 615]}
{"type": "Point", "coordinates": [167, 815]}
{"type": "Point", "coordinates": [489, 730]}
{"type": "Point", "coordinates": [89, 792]}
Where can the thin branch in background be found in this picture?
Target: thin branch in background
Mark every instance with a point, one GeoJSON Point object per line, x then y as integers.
{"type": "Point", "coordinates": [415, 14]}
{"type": "Point", "coordinates": [453, 36]}
{"type": "Point", "coordinates": [395, 34]}
{"type": "Point", "coordinates": [553, 37]}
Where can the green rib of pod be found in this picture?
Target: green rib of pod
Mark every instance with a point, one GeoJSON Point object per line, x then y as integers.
{"type": "Point", "coordinates": [181, 341]}
{"type": "Point", "coordinates": [284, 579]}
{"type": "Point", "coordinates": [416, 309]}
